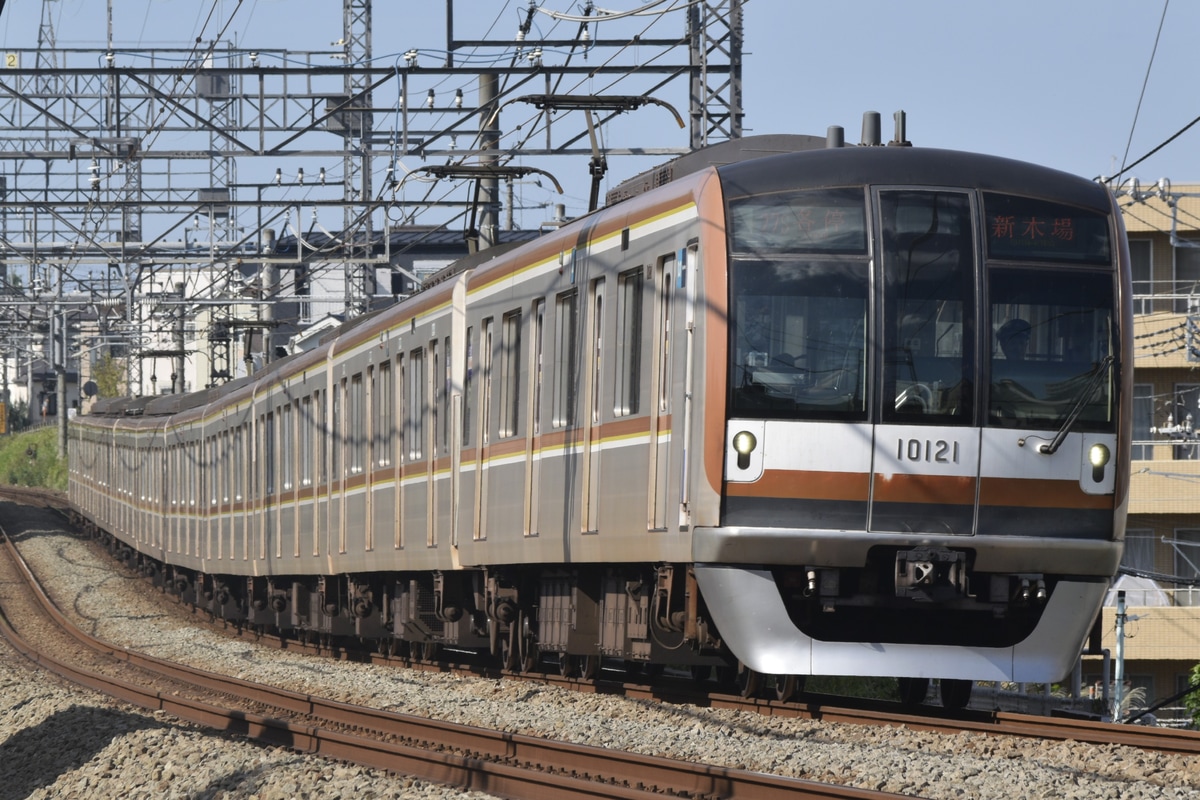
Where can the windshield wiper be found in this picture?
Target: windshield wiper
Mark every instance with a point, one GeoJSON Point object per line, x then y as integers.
{"type": "Point", "coordinates": [1084, 397]}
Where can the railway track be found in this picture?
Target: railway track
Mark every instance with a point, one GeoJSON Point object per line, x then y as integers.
{"type": "Point", "coordinates": [810, 706]}
{"type": "Point", "coordinates": [499, 763]}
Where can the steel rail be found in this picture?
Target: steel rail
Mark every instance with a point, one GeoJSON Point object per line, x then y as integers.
{"type": "Point", "coordinates": [448, 753]}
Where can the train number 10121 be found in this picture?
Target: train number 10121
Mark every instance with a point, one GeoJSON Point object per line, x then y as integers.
{"type": "Point", "coordinates": [937, 451]}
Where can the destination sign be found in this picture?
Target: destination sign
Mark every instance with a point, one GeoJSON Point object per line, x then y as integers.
{"type": "Point", "coordinates": [1024, 229]}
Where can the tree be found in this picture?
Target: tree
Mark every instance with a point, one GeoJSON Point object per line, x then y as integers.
{"type": "Point", "coordinates": [109, 375]}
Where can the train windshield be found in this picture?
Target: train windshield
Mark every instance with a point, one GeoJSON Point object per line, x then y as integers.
{"type": "Point", "coordinates": [808, 341]}
{"type": "Point", "coordinates": [800, 305]}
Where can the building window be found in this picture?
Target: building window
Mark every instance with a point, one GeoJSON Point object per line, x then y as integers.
{"type": "Point", "coordinates": [1143, 275]}
{"type": "Point", "coordinates": [1187, 278]}
{"type": "Point", "coordinates": [1143, 421]}
{"type": "Point", "coordinates": [1139, 550]}
{"type": "Point", "coordinates": [1183, 412]}
{"type": "Point", "coordinates": [1187, 565]}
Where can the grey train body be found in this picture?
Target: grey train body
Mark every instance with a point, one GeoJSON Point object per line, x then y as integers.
{"type": "Point", "coordinates": [697, 427]}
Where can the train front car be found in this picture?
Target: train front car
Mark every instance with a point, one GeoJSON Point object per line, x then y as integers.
{"type": "Point", "coordinates": [926, 433]}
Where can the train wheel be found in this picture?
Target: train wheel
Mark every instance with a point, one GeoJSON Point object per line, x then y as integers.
{"type": "Point", "coordinates": [956, 694]}
{"type": "Point", "coordinates": [587, 666]}
{"type": "Point", "coordinates": [510, 649]}
{"type": "Point", "coordinates": [528, 642]}
{"type": "Point", "coordinates": [567, 665]}
{"type": "Point", "coordinates": [700, 672]}
{"type": "Point", "coordinates": [788, 686]}
{"type": "Point", "coordinates": [912, 690]}
{"type": "Point", "coordinates": [749, 682]}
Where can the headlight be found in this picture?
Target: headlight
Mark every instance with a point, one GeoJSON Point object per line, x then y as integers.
{"type": "Point", "coordinates": [1099, 455]}
{"type": "Point", "coordinates": [744, 443]}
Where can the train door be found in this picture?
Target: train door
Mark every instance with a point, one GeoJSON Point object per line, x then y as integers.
{"type": "Point", "coordinates": [926, 452]}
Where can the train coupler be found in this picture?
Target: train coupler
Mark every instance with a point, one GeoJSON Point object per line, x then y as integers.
{"type": "Point", "coordinates": [929, 573]}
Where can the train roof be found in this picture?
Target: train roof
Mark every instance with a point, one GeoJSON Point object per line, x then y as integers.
{"type": "Point", "coordinates": [730, 152]}
{"type": "Point", "coordinates": [907, 166]}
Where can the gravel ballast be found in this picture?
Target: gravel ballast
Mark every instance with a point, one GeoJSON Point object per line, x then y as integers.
{"type": "Point", "coordinates": [60, 742]}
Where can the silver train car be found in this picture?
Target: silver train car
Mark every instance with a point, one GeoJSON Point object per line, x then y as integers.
{"type": "Point", "coordinates": [849, 411]}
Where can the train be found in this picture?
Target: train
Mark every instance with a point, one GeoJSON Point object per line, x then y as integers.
{"type": "Point", "coordinates": [778, 409]}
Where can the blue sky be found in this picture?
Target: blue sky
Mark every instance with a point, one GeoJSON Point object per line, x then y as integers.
{"type": "Point", "coordinates": [1057, 82]}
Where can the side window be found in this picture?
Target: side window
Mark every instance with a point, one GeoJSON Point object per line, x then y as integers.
{"type": "Point", "coordinates": [485, 355]}
{"type": "Point", "coordinates": [287, 440]}
{"type": "Point", "coordinates": [628, 342]}
{"type": "Point", "coordinates": [539, 325]}
{"type": "Point", "coordinates": [597, 354]}
{"type": "Point", "coordinates": [337, 436]}
{"type": "Point", "coordinates": [468, 387]}
{"type": "Point", "coordinates": [564, 359]}
{"type": "Point", "coordinates": [304, 441]}
{"type": "Point", "coordinates": [323, 433]}
{"type": "Point", "coordinates": [510, 374]}
{"type": "Point", "coordinates": [416, 403]}
{"type": "Point", "coordinates": [268, 453]}
{"type": "Point", "coordinates": [381, 394]}
{"type": "Point", "coordinates": [356, 425]}
{"type": "Point", "coordinates": [666, 283]}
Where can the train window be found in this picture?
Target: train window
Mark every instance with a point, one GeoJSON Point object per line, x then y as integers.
{"type": "Point", "coordinates": [268, 454]}
{"type": "Point", "coordinates": [485, 354]}
{"type": "Point", "coordinates": [337, 437]}
{"type": "Point", "coordinates": [822, 221]}
{"type": "Point", "coordinates": [597, 334]}
{"type": "Point", "coordinates": [666, 283]}
{"type": "Point", "coordinates": [1024, 229]}
{"type": "Point", "coordinates": [539, 325]}
{"type": "Point", "coordinates": [238, 467]}
{"type": "Point", "coordinates": [381, 394]}
{"type": "Point", "coordinates": [287, 443]}
{"type": "Point", "coordinates": [564, 359]}
{"type": "Point", "coordinates": [304, 441]}
{"type": "Point", "coordinates": [356, 425]}
{"type": "Point", "coordinates": [445, 398]}
{"type": "Point", "coordinates": [436, 416]}
{"type": "Point", "coordinates": [1052, 347]}
{"type": "Point", "coordinates": [628, 342]}
{"type": "Point", "coordinates": [510, 374]}
{"type": "Point", "coordinates": [401, 407]}
{"type": "Point", "coordinates": [416, 403]}
{"type": "Point", "coordinates": [214, 466]}
{"type": "Point", "coordinates": [226, 468]}
{"type": "Point", "coordinates": [468, 386]}
{"type": "Point", "coordinates": [798, 332]}
{"type": "Point", "coordinates": [928, 257]}
{"type": "Point", "coordinates": [321, 430]}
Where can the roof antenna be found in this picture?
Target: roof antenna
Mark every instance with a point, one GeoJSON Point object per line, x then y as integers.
{"type": "Point", "coordinates": [899, 139]}
{"type": "Point", "coordinates": [871, 137]}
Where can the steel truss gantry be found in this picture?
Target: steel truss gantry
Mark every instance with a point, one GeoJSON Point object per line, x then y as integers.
{"type": "Point", "coordinates": [122, 167]}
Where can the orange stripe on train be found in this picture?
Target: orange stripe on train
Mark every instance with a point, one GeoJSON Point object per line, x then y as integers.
{"type": "Point", "coordinates": [1026, 493]}
{"type": "Point", "coordinates": [851, 486]}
